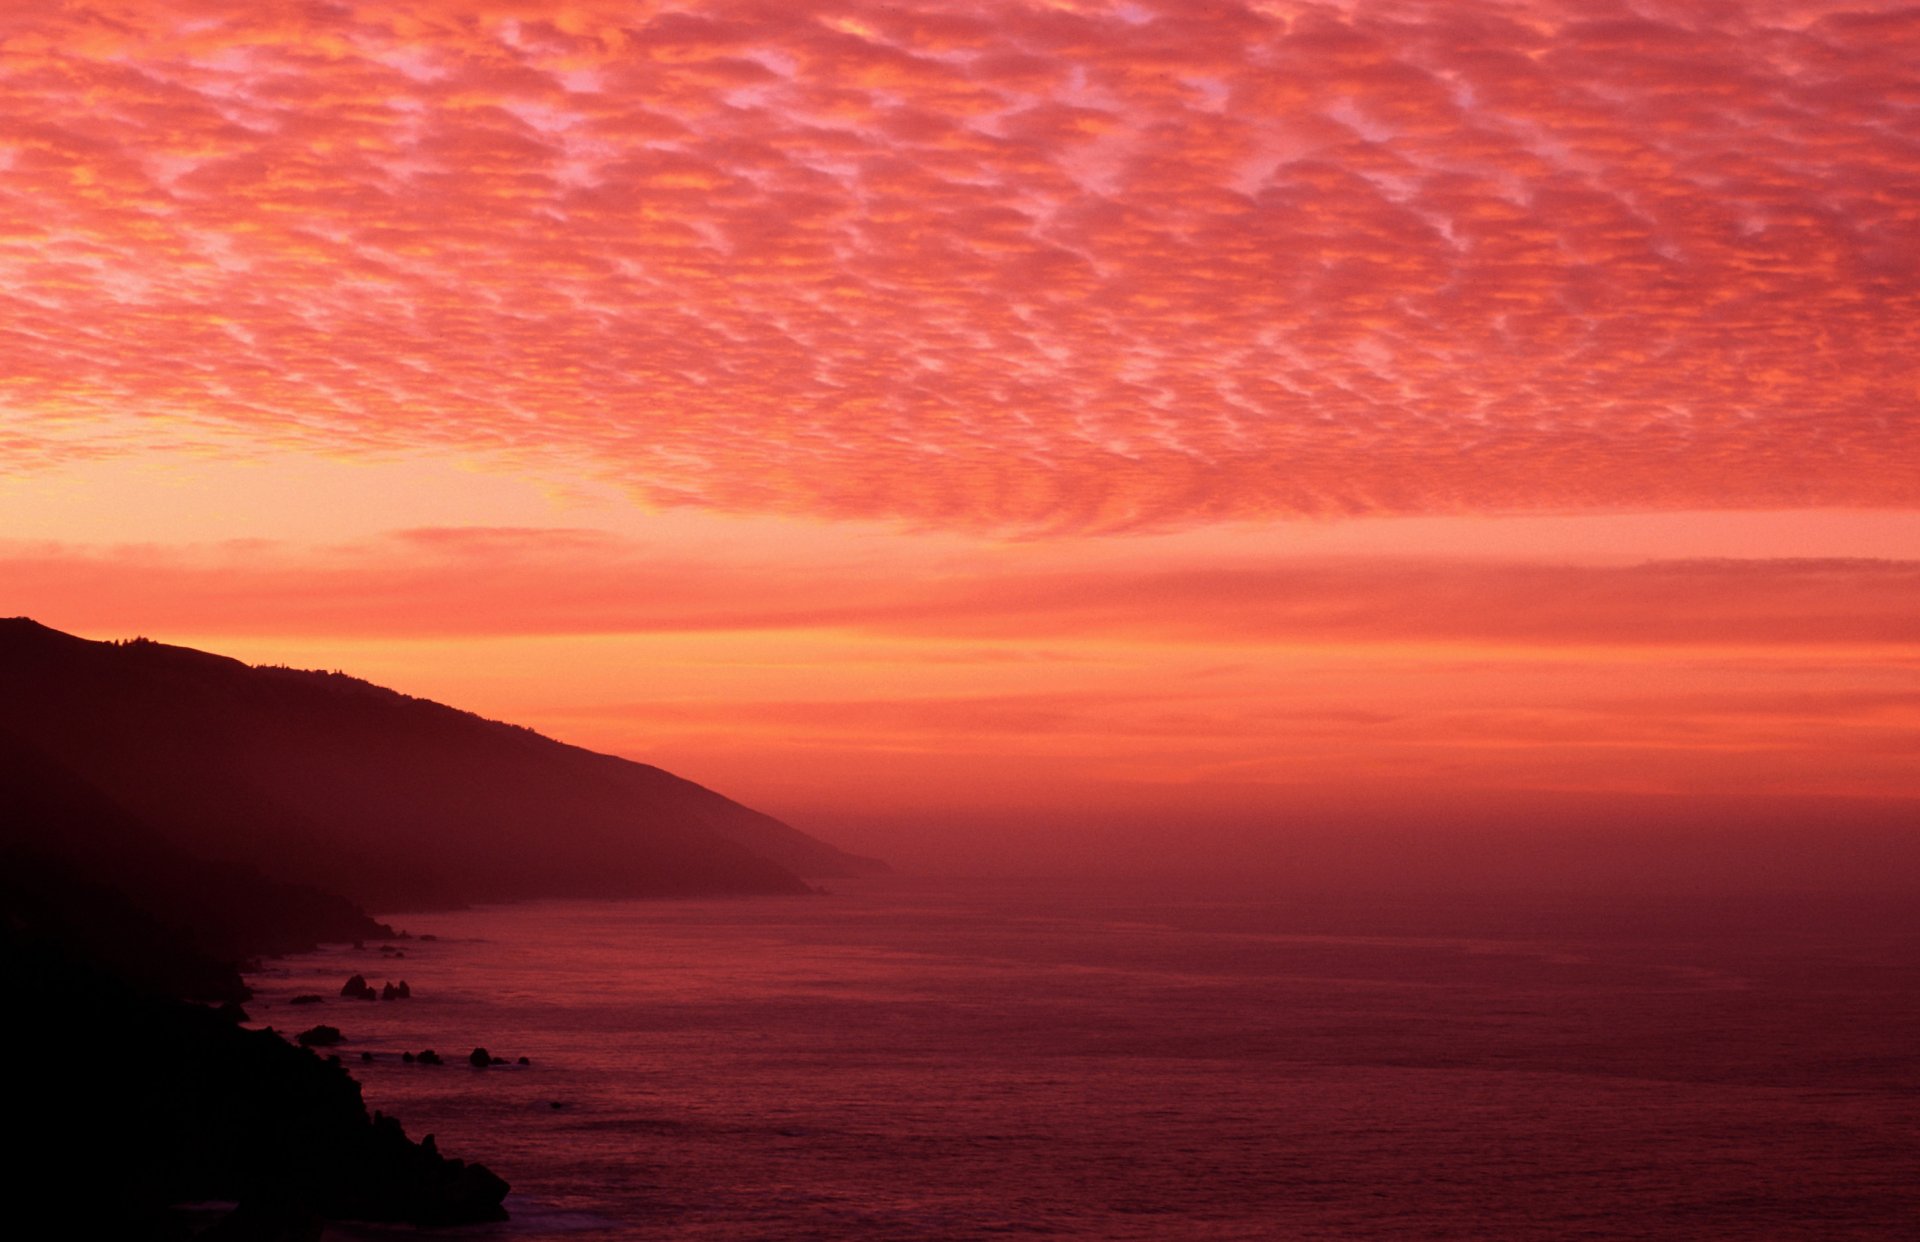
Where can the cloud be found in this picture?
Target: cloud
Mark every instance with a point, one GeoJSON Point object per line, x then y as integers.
{"type": "Point", "coordinates": [896, 675]}
{"type": "Point", "coordinates": [1044, 266]}
{"type": "Point", "coordinates": [506, 581]}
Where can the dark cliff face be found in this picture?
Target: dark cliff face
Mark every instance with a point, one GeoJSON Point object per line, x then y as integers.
{"type": "Point", "coordinates": [126, 1098]}
{"type": "Point", "coordinates": [390, 800]}
{"type": "Point", "coordinates": [94, 877]}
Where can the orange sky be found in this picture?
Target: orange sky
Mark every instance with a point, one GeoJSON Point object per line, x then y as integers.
{"type": "Point", "coordinates": [894, 412]}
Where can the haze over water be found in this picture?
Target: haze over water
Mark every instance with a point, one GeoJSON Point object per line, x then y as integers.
{"type": "Point", "coordinates": [944, 1059]}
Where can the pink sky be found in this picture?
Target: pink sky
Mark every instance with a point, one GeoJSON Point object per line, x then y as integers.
{"type": "Point", "coordinates": [896, 410]}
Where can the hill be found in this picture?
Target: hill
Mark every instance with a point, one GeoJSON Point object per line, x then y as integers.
{"type": "Point", "coordinates": [69, 856]}
{"type": "Point", "coordinates": [391, 801]}
{"type": "Point", "coordinates": [136, 1099]}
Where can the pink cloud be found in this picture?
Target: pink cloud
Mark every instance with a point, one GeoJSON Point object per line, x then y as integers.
{"type": "Point", "coordinates": [507, 581]}
{"type": "Point", "coordinates": [1023, 265]}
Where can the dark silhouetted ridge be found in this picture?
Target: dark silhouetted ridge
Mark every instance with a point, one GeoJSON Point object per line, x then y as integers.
{"type": "Point", "coordinates": [323, 779]}
{"type": "Point", "coordinates": [68, 848]}
{"type": "Point", "coordinates": [125, 1097]}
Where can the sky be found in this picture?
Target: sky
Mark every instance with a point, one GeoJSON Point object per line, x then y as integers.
{"type": "Point", "coordinates": [966, 428]}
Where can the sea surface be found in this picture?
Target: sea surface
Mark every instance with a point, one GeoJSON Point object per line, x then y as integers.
{"type": "Point", "coordinates": [907, 1059]}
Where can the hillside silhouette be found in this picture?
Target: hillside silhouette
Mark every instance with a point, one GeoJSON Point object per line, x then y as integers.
{"type": "Point", "coordinates": [91, 877]}
{"type": "Point", "coordinates": [136, 1098]}
{"type": "Point", "coordinates": [323, 780]}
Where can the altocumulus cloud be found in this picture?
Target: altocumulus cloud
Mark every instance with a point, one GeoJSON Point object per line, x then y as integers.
{"type": "Point", "coordinates": [1054, 266]}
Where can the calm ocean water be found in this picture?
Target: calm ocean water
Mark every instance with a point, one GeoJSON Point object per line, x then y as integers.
{"type": "Point", "coordinates": [912, 1059]}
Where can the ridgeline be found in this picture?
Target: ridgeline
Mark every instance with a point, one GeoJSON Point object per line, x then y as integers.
{"type": "Point", "coordinates": [394, 802]}
{"type": "Point", "coordinates": [167, 815]}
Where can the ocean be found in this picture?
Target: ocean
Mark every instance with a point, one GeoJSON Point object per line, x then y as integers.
{"type": "Point", "coordinates": [911, 1058]}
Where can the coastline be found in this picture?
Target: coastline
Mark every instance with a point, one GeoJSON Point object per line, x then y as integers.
{"type": "Point", "coordinates": [966, 1059]}
{"type": "Point", "coordinates": [148, 1090]}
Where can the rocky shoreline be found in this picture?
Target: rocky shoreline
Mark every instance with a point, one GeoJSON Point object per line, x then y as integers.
{"type": "Point", "coordinates": [138, 1102]}
{"type": "Point", "coordinates": [134, 1085]}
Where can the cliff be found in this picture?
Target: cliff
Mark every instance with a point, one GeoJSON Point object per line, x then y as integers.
{"type": "Point", "coordinates": [127, 1098]}
{"type": "Point", "coordinates": [322, 779]}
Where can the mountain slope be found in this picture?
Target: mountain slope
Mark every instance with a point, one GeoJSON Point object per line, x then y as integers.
{"type": "Point", "coordinates": [389, 800]}
{"type": "Point", "coordinates": [68, 856]}
{"type": "Point", "coordinates": [138, 1099]}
